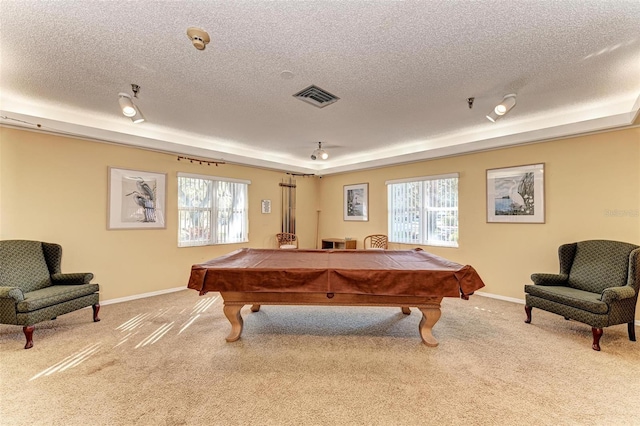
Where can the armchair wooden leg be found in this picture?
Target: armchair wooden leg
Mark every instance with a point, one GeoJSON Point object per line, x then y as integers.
{"type": "Point", "coordinates": [28, 333]}
{"type": "Point", "coordinates": [96, 309]}
{"type": "Point", "coordinates": [597, 334]}
{"type": "Point", "coordinates": [632, 331]}
{"type": "Point", "coordinates": [527, 309]}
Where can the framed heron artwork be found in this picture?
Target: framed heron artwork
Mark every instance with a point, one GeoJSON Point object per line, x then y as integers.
{"type": "Point", "coordinates": [137, 199]}
{"type": "Point", "coordinates": [356, 202]}
{"type": "Point", "coordinates": [516, 194]}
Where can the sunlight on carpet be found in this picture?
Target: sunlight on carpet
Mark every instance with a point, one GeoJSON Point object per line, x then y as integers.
{"type": "Point", "coordinates": [133, 327]}
{"type": "Point", "coordinates": [156, 335]}
{"type": "Point", "coordinates": [71, 361]}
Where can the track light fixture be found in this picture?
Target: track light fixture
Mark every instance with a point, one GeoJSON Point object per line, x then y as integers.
{"type": "Point", "coordinates": [137, 117]}
{"type": "Point", "coordinates": [319, 153]}
{"type": "Point", "coordinates": [129, 109]}
{"type": "Point", "coordinates": [508, 102]}
{"type": "Point", "coordinates": [126, 105]}
{"type": "Point", "coordinates": [201, 162]}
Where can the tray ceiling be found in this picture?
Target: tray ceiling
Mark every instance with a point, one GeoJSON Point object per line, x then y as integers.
{"type": "Point", "coordinates": [403, 73]}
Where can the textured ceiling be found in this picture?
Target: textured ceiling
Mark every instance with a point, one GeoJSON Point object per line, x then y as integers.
{"type": "Point", "coordinates": [403, 72]}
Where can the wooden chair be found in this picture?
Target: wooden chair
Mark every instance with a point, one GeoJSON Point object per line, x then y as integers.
{"type": "Point", "coordinates": [376, 242]}
{"type": "Point", "coordinates": [287, 240]}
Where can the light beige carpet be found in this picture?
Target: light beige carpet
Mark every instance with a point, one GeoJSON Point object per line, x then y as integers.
{"type": "Point", "coordinates": [164, 361]}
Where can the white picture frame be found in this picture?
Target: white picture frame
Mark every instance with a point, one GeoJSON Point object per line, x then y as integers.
{"type": "Point", "coordinates": [137, 199]}
{"type": "Point", "coordinates": [265, 206]}
{"type": "Point", "coordinates": [516, 194]}
{"type": "Point", "coordinates": [356, 202]}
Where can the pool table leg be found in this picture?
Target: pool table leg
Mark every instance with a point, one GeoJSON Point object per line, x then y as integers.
{"type": "Point", "coordinates": [232, 312]}
{"type": "Point", "coordinates": [255, 308]}
{"type": "Point", "coordinates": [406, 310]}
{"type": "Point", "coordinates": [430, 316]}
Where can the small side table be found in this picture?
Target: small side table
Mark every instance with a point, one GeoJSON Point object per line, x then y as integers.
{"type": "Point", "coordinates": [338, 244]}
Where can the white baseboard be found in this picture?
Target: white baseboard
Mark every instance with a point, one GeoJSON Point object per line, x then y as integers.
{"type": "Point", "coordinates": [514, 300]}
{"type": "Point", "coordinates": [497, 296]}
{"type": "Point", "coordinates": [141, 296]}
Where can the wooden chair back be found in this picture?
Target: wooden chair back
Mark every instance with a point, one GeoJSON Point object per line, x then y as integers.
{"type": "Point", "coordinates": [287, 240]}
{"type": "Point", "coordinates": [376, 241]}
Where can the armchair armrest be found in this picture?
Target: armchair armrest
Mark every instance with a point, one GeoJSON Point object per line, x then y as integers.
{"type": "Point", "coordinates": [617, 293]}
{"type": "Point", "coordinates": [14, 293]}
{"type": "Point", "coordinates": [549, 279]}
{"type": "Point", "coordinates": [74, 278]}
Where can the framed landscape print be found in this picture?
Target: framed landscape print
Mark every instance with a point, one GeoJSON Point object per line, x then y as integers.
{"type": "Point", "coordinates": [137, 199]}
{"type": "Point", "coordinates": [516, 194]}
{"type": "Point", "coordinates": [356, 202]}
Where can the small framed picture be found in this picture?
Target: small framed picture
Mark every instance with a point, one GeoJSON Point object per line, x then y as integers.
{"type": "Point", "coordinates": [266, 206]}
{"type": "Point", "coordinates": [137, 199]}
{"type": "Point", "coordinates": [356, 202]}
{"type": "Point", "coordinates": [516, 194]}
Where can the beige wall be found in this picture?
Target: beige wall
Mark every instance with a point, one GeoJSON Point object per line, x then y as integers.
{"type": "Point", "coordinates": [584, 177]}
{"type": "Point", "coordinates": [55, 189]}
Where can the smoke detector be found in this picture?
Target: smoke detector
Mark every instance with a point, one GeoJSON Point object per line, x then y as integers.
{"type": "Point", "coordinates": [198, 37]}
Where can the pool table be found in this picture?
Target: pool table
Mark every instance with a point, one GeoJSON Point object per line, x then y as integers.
{"type": "Point", "coordinates": [393, 278]}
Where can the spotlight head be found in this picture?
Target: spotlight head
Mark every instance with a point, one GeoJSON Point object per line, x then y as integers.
{"type": "Point", "coordinates": [319, 153]}
{"type": "Point", "coordinates": [126, 105]}
{"type": "Point", "coordinates": [492, 116]}
{"type": "Point", "coordinates": [137, 117]}
{"type": "Point", "coordinates": [508, 102]}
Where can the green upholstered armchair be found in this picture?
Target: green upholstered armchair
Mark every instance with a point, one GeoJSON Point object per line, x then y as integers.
{"type": "Point", "coordinates": [33, 289]}
{"type": "Point", "coordinates": [597, 285]}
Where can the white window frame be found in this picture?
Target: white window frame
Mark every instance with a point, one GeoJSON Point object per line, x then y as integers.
{"type": "Point", "coordinates": [408, 230]}
{"type": "Point", "coordinates": [213, 229]}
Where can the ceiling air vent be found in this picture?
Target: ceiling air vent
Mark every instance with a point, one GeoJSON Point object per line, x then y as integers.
{"type": "Point", "coordinates": [316, 96]}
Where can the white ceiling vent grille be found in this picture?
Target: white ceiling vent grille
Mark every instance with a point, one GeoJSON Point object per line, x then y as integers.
{"type": "Point", "coordinates": [316, 96]}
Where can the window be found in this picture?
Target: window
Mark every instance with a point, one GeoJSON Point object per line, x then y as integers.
{"type": "Point", "coordinates": [424, 210]}
{"type": "Point", "coordinates": [212, 210]}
